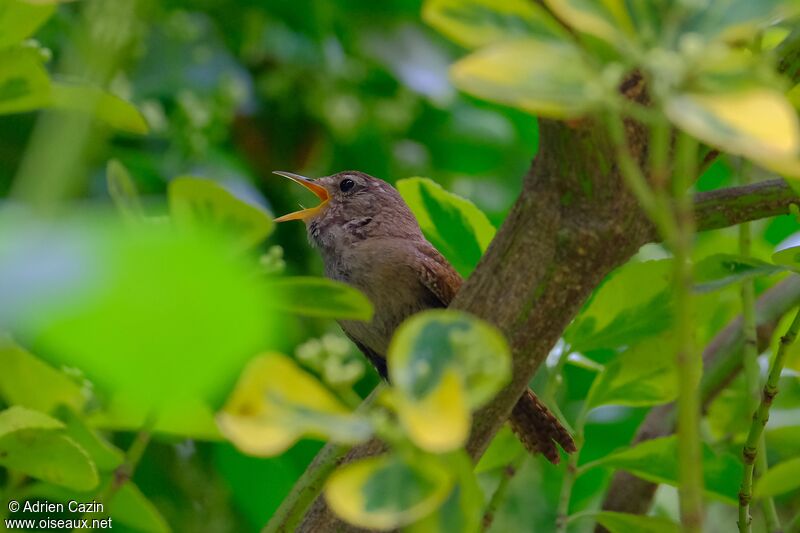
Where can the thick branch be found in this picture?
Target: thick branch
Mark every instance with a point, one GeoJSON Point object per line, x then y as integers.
{"type": "Point", "coordinates": [722, 360]}
{"type": "Point", "coordinates": [727, 207]}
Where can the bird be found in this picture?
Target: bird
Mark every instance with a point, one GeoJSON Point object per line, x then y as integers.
{"type": "Point", "coordinates": [369, 238]}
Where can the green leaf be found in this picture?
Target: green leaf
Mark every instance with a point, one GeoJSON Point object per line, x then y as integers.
{"type": "Point", "coordinates": [123, 191]}
{"type": "Point", "coordinates": [542, 78]}
{"type": "Point", "coordinates": [721, 270]}
{"type": "Point", "coordinates": [477, 23]}
{"type": "Point", "coordinates": [758, 123]}
{"type": "Point", "coordinates": [657, 460]}
{"type": "Point", "coordinates": [160, 318]}
{"type": "Point", "coordinates": [199, 203]}
{"type": "Point", "coordinates": [443, 364]}
{"type": "Point", "coordinates": [631, 523]}
{"type": "Point", "coordinates": [780, 478]}
{"type": "Point", "coordinates": [34, 444]}
{"type": "Point", "coordinates": [609, 20]}
{"type": "Point", "coordinates": [386, 492]}
{"type": "Point", "coordinates": [454, 225]}
{"type": "Point", "coordinates": [463, 509]}
{"type": "Point", "coordinates": [100, 104]}
{"type": "Point", "coordinates": [789, 257]}
{"type": "Point", "coordinates": [275, 403]}
{"type": "Point", "coordinates": [20, 19]}
{"type": "Point", "coordinates": [129, 507]}
{"type": "Point", "coordinates": [632, 304]}
{"type": "Point", "coordinates": [24, 85]}
{"type": "Point", "coordinates": [21, 368]}
{"type": "Point", "coordinates": [738, 20]}
{"type": "Point", "coordinates": [504, 446]}
{"type": "Point", "coordinates": [643, 375]}
{"type": "Point", "coordinates": [105, 455]}
{"type": "Point", "coordinates": [317, 297]}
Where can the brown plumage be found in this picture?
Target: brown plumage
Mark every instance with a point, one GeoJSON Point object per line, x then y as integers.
{"type": "Point", "coordinates": [369, 238]}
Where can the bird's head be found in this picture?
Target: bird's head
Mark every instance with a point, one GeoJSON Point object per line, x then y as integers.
{"type": "Point", "coordinates": [353, 206]}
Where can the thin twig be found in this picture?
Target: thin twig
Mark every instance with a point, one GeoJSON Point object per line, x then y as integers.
{"type": "Point", "coordinates": [760, 419]}
{"type": "Point", "coordinates": [499, 494]}
{"type": "Point", "coordinates": [570, 474]}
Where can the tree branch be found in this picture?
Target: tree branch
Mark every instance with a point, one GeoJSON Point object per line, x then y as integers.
{"type": "Point", "coordinates": [722, 360]}
{"type": "Point", "coordinates": [727, 207]}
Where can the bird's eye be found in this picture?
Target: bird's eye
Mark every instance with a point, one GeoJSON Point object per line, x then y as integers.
{"type": "Point", "coordinates": [346, 185]}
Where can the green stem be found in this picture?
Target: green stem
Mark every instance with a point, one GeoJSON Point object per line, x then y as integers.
{"type": "Point", "coordinates": [688, 403]}
{"type": "Point", "coordinates": [768, 507]}
{"type": "Point", "coordinates": [794, 524]}
{"type": "Point", "coordinates": [310, 484]}
{"type": "Point", "coordinates": [570, 475]}
{"type": "Point", "coordinates": [499, 494]}
{"type": "Point", "coordinates": [760, 418]}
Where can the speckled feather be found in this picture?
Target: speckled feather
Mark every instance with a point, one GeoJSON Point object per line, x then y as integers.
{"type": "Point", "coordinates": [369, 238]}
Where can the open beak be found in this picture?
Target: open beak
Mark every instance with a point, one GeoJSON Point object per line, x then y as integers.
{"type": "Point", "coordinates": [320, 191]}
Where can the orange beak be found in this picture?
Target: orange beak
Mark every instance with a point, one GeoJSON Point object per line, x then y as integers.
{"type": "Point", "coordinates": [320, 191]}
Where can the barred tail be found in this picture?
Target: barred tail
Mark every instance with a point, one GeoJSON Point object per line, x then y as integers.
{"type": "Point", "coordinates": [538, 429]}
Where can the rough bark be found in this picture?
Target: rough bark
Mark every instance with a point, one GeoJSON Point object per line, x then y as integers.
{"type": "Point", "coordinates": [722, 360]}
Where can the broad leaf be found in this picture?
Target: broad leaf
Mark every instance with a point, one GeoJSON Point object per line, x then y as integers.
{"type": "Point", "coordinates": [721, 270]}
{"type": "Point", "coordinates": [454, 225]}
{"type": "Point", "coordinates": [789, 257]}
{"type": "Point", "coordinates": [129, 507]}
{"type": "Point", "coordinates": [738, 20]}
{"type": "Point", "coordinates": [606, 19]}
{"type": "Point", "coordinates": [780, 478]}
{"type": "Point", "coordinates": [21, 369]}
{"type": "Point", "coordinates": [631, 523]}
{"type": "Point", "coordinates": [463, 509]}
{"type": "Point", "coordinates": [24, 84]}
{"type": "Point", "coordinates": [632, 304]}
{"type": "Point", "coordinates": [20, 19]}
{"type": "Point", "coordinates": [317, 297]}
{"type": "Point", "coordinates": [643, 375]}
{"type": "Point", "coordinates": [759, 124]}
{"type": "Point", "coordinates": [477, 23]}
{"type": "Point", "coordinates": [275, 403]}
{"type": "Point", "coordinates": [199, 203]}
{"type": "Point", "coordinates": [105, 455]}
{"type": "Point", "coordinates": [102, 105]}
{"type": "Point", "coordinates": [443, 364]}
{"type": "Point", "coordinates": [159, 318]}
{"type": "Point", "coordinates": [387, 492]}
{"type": "Point", "coordinates": [657, 460]}
{"type": "Point", "coordinates": [34, 444]}
{"type": "Point", "coordinates": [504, 446]}
{"type": "Point", "coordinates": [543, 78]}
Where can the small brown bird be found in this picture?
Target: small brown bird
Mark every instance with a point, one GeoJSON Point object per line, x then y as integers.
{"type": "Point", "coordinates": [369, 238]}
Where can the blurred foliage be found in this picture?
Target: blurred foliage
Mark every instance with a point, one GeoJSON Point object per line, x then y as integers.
{"type": "Point", "coordinates": [119, 327]}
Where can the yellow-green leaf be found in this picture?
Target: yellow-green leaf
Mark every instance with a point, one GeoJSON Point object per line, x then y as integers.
{"type": "Point", "coordinates": [440, 421]}
{"type": "Point", "coordinates": [21, 368]}
{"type": "Point", "coordinates": [789, 257]}
{"type": "Point", "coordinates": [631, 523]}
{"type": "Point", "coordinates": [780, 478]}
{"type": "Point", "coordinates": [550, 79]}
{"type": "Point", "coordinates": [20, 19]}
{"type": "Point", "coordinates": [102, 105]}
{"type": "Point", "coordinates": [275, 403]}
{"type": "Point", "coordinates": [759, 124]}
{"type": "Point", "coordinates": [34, 444]}
{"type": "Point", "coordinates": [200, 203]}
{"type": "Point", "coordinates": [318, 297]}
{"type": "Point", "coordinates": [477, 23]}
{"type": "Point", "coordinates": [443, 364]}
{"type": "Point", "coordinates": [386, 492]}
{"type": "Point", "coordinates": [24, 85]}
{"type": "Point", "coordinates": [606, 19]}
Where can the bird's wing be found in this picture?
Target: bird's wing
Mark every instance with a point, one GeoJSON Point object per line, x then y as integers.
{"type": "Point", "coordinates": [377, 360]}
{"type": "Point", "coordinates": [437, 275]}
